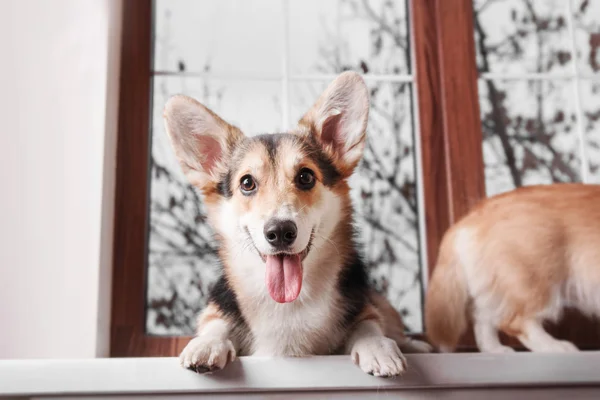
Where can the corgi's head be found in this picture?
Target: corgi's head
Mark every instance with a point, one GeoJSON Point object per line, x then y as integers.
{"type": "Point", "coordinates": [274, 198]}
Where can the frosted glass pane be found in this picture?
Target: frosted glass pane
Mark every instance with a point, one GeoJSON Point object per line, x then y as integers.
{"type": "Point", "coordinates": [330, 36]}
{"type": "Point", "coordinates": [224, 37]}
{"type": "Point", "coordinates": [590, 101]}
{"type": "Point", "coordinates": [529, 133]}
{"type": "Point", "coordinates": [587, 35]}
{"type": "Point", "coordinates": [519, 36]}
{"type": "Point", "coordinates": [234, 52]}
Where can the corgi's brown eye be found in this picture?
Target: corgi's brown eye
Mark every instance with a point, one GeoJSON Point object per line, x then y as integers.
{"type": "Point", "coordinates": [247, 184]}
{"type": "Point", "coordinates": [305, 180]}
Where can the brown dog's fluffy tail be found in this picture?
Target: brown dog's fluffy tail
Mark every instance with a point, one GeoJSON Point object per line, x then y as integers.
{"type": "Point", "coordinates": [447, 297]}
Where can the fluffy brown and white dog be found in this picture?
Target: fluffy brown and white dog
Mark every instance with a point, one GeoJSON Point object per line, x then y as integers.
{"type": "Point", "coordinates": [293, 281]}
{"type": "Point", "coordinates": [515, 261]}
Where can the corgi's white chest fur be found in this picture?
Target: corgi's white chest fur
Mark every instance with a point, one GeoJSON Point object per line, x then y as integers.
{"type": "Point", "coordinates": [300, 328]}
{"type": "Point", "coordinates": [308, 325]}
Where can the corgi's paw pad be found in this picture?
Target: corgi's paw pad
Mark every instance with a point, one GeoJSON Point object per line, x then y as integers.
{"type": "Point", "coordinates": [379, 356]}
{"type": "Point", "coordinates": [204, 355]}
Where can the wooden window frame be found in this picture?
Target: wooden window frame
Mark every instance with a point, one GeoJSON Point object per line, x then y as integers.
{"type": "Point", "coordinates": [446, 77]}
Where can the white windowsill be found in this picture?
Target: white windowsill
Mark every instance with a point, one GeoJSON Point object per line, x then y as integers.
{"type": "Point", "coordinates": [147, 376]}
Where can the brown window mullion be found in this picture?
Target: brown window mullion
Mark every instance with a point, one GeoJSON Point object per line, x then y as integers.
{"type": "Point", "coordinates": [450, 124]}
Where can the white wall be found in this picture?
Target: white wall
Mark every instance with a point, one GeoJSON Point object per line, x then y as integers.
{"type": "Point", "coordinates": [58, 106]}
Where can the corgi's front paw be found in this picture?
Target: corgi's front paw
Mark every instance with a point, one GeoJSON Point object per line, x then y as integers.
{"type": "Point", "coordinates": [205, 355]}
{"type": "Point", "coordinates": [378, 356]}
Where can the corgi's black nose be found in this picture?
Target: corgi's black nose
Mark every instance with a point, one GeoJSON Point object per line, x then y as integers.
{"type": "Point", "coordinates": [280, 233]}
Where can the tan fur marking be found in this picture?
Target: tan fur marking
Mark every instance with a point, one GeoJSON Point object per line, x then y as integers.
{"type": "Point", "coordinates": [369, 313]}
{"type": "Point", "coordinates": [210, 313]}
{"type": "Point", "coordinates": [391, 319]}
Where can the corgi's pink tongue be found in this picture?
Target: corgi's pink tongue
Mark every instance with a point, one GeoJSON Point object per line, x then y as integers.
{"type": "Point", "coordinates": [284, 277]}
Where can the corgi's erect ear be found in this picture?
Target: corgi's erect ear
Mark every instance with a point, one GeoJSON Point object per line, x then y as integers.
{"type": "Point", "coordinates": [338, 120]}
{"type": "Point", "coordinates": [201, 140]}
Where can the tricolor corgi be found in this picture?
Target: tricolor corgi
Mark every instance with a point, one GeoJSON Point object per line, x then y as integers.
{"type": "Point", "coordinates": [514, 262]}
{"type": "Point", "coordinates": [293, 281]}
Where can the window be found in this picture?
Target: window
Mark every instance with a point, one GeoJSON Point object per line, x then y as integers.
{"type": "Point", "coordinates": [264, 83]}
{"type": "Point", "coordinates": [538, 88]}
{"type": "Point", "coordinates": [465, 107]}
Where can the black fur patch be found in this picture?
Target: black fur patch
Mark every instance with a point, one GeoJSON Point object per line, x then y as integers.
{"type": "Point", "coordinates": [354, 287]}
{"type": "Point", "coordinates": [270, 142]}
{"type": "Point", "coordinates": [331, 175]}
{"type": "Point", "coordinates": [224, 297]}
{"type": "Point", "coordinates": [224, 186]}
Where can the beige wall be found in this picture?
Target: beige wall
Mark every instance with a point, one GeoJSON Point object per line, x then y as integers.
{"type": "Point", "coordinates": [58, 106]}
